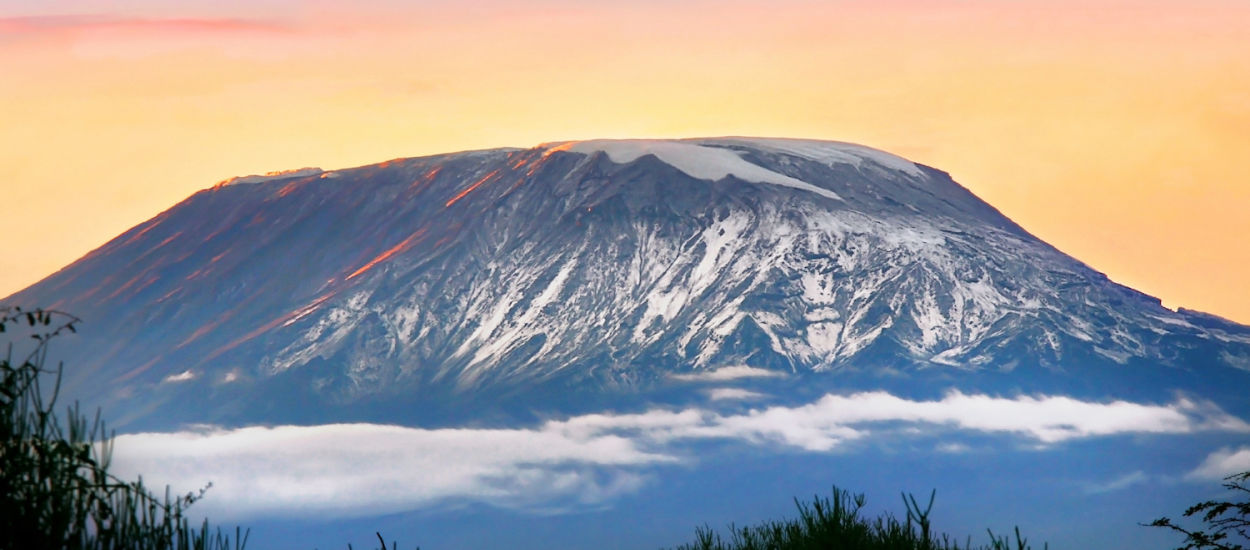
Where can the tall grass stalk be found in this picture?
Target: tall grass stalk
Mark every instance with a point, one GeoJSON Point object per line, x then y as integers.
{"type": "Point", "coordinates": [55, 487]}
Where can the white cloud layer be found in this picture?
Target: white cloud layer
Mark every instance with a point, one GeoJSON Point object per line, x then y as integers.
{"type": "Point", "coordinates": [1222, 463]}
{"type": "Point", "coordinates": [733, 394]}
{"type": "Point", "coordinates": [725, 374]}
{"type": "Point", "coordinates": [349, 469]}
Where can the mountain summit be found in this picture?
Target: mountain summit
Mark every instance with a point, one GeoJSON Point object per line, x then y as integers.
{"type": "Point", "coordinates": [607, 266]}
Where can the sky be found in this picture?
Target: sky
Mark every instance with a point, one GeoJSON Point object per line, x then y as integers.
{"type": "Point", "coordinates": [1115, 130]}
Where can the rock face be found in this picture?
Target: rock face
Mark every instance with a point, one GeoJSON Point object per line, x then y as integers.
{"type": "Point", "coordinates": [602, 265]}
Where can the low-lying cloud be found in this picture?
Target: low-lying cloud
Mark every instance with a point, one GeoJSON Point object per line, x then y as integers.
{"type": "Point", "coordinates": [353, 469]}
{"type": "Point", "coordinates": [725, 374]}
{"type": "Point", "coordinates": [733, 394]}
{"type": "Point", "coordinates": [1222, 463]}
{"type": "Point", "coordinates": [356, 469]}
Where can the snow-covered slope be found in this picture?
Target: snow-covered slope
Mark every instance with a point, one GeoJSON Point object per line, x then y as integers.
{"type": "Point", "coordinates": [608, 265]}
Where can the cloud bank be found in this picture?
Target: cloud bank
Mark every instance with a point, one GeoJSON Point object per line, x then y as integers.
{"type": "Point", "coordinates": [357, 469]}
{"type": "Point", "coordinates": [725, 374]}
{"type": "Point", "coordinates": [1222, 463]}
{"type": "Point", "coordinates": [733, 394]}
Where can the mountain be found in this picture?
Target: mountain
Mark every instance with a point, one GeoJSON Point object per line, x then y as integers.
{"type": "Point", "coordinates": [602, 268]}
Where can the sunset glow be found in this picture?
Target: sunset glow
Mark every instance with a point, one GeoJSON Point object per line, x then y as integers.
{"type": "Point", "coordinates": [1116, 130]}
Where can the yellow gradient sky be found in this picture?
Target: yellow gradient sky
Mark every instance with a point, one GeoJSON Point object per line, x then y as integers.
{"type": "Point", "coordinates": [1119, 131]}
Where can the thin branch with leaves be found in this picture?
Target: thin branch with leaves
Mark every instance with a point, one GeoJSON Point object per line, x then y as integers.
{"type": "Point", "coordinates": [1225, 520]}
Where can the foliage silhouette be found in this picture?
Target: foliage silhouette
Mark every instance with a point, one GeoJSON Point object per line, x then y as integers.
{"type": "Point", "coordinates": [1223, 518]}
{"type": "Point", "coordinates": [836, 523]}
{"type": "Point", "coordinates": [55, 488]}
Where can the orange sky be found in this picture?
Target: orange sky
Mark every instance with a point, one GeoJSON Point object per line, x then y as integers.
{"type": "Point", "coordinates": [1118, 131]}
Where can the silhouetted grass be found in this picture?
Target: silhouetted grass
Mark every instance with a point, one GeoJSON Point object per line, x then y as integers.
{"type": "Point", "coordinates": [835, 523]}
{"type": "Point", "coordinates": [55, 488]}
{"type": "Point", "coordinates": [394, 545]}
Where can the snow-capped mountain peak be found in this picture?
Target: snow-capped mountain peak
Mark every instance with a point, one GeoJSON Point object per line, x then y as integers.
{"type": "Point", "coordinates": [603, 265]}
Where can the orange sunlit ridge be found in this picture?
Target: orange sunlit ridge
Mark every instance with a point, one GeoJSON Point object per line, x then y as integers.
{"type": "Point", "coordinates": [426, 178]}
{"type": "Point", "coordinates": [283, 320]}
{"type": "Point", "coordinates": [470, 189]}
{"type": "Point", "coordinates": [553, 149]}
{"type": "Point", "coordinates": [293, 316]}
{"type": "Point", "coordinates": [401, 247]}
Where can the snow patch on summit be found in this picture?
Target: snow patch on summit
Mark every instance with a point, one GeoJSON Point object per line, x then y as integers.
{"type": "Point", "coordinates": [696, 161]}
{"type": "Point", "coordinates": [828, 152]}
{"type": "Point", "coordinates": [272, 176]}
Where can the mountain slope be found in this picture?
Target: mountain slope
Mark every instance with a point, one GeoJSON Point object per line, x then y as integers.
{"type": "Point", "coordinates": [607, 265]}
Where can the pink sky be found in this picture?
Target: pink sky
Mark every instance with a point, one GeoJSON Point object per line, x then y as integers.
{"type": "Point", "coordinates": [1117, 131]}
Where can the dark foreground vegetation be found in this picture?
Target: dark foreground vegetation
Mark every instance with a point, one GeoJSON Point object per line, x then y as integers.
{"type": "Point", "coordinates": [1227, 521]}
{"type": "Point", "coordinates": [55, 488]}
{"type": "Point", "coordinates": [56, 491]}
{"type": "Point", "coordinates": [835, 522]}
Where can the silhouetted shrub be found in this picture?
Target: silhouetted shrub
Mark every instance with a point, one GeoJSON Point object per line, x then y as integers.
{"type": "Point", "coordinates": [55, 488]}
